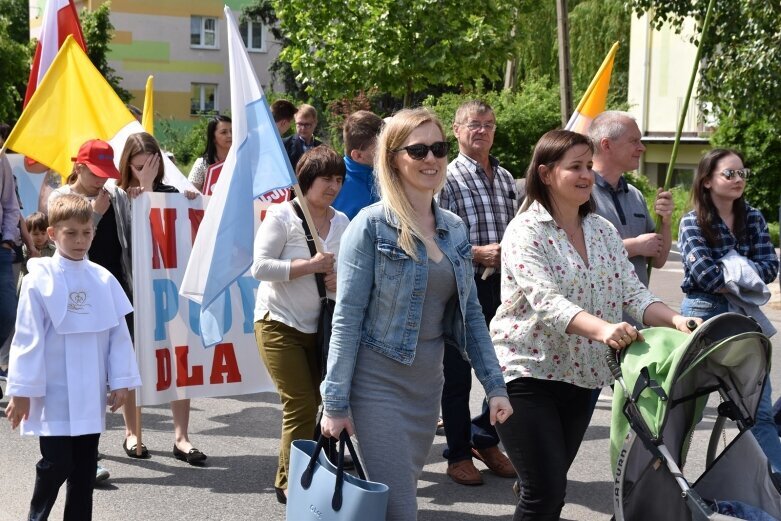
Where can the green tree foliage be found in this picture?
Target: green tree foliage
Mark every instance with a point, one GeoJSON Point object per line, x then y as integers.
{"type": "Point", "coordinates": [341, 47]}
{"type": "Point", "coordinates": [14, 57]}
{"type": "Point", "coordinates": [521, 118]}
{"type": "Point", "coordinates": [594, 26]}
{"type": "Point", "coordinates": [741, 72]}
{"type": "Point", "coordinates": [17, 12]}
{"type": "Point", "coordinates": [98, 32]}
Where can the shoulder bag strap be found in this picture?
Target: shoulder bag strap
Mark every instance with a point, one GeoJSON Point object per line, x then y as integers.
{"type": "Point", "coordinates": [310, 242]}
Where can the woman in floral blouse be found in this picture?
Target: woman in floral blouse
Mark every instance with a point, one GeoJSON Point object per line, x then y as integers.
{"type": "Point", "coordinates": [565, 281]}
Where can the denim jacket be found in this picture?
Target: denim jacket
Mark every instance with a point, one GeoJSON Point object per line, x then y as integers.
{"type": "Point", "coordinates": [380, 294]}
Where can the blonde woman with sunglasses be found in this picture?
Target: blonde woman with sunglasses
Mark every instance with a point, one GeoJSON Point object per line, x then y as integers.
{"type": "Point", "coordinates": [406, 286]}
{"type": "Point", "coordinates": [723, 225]}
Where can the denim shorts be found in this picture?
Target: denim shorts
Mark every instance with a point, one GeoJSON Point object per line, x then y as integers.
{"type": "Point", "coordinates": [703, 305]}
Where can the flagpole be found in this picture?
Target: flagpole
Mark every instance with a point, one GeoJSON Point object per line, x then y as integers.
{"type": "Point", "coordinates": [682, 118]}
{"type": "Point", "coordinates": [308, 217]}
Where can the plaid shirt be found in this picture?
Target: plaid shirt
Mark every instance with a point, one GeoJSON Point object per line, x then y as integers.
{"type": "Point", "coordinates": [701, 269]}
{"type": "Point", "coordinates": [486, 210]}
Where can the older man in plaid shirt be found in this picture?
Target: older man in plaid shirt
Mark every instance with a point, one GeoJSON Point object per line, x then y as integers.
{"type": "Point", "coordinates": [483, 194]}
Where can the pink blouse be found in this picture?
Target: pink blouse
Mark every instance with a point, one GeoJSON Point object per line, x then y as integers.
{"type": "Point", "coordinates": [545, 283]}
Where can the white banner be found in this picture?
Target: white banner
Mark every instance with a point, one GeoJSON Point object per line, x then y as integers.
{"type": "Point", "coordinates": [171, 357]}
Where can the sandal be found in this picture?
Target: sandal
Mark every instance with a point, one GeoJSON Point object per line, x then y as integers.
{"type": "Point", "coordinates": [131, 451]}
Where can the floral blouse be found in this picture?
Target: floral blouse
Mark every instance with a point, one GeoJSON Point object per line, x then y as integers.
{"type": "Point", "coordinates": [545, 283]}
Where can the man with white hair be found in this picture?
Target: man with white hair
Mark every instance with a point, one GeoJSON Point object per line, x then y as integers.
{"type": "Point", "coordinates": [617, 149]}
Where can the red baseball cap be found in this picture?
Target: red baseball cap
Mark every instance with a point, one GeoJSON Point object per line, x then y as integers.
{"type": "Point", "coordinates": [99, 157]}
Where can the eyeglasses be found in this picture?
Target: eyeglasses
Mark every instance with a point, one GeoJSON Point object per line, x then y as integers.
{"type": "Point", "coordinates": [729, 173]}
{"type": "Point", "coordinates": [475, 126]}
{"type": "Point", "coordinates": [304, 125]}
{"type": "Point", "coordinates": [419, 151]}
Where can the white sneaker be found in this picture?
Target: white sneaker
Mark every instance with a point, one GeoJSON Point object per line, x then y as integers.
{"type": "Point", "coordinates": [102, 474]}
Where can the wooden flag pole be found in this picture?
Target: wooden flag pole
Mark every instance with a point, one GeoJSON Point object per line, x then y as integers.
{"type": "Point", "coordinates": [308, 217]}
{"type": "Point", "coordinates": [684, 110]}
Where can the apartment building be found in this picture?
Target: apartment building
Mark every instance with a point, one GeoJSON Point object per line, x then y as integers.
{"type": "Point", "coordinates": [184, 45]}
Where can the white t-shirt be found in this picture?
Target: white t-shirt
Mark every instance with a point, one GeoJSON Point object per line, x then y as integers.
{"type": "Point", "coordinates": [279, 240]}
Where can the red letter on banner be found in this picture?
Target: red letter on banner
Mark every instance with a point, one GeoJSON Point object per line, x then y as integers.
{"type": "Point", "coordinates": [163, 357]}
{"type": "Point", "coordinates": [163, 237]}
{"type": "Point", "coordinates": [196, 216]}
{"type": "Point", "coordinates": [183, 376]}
{"type": "Point", "coordinates": [224, 363]}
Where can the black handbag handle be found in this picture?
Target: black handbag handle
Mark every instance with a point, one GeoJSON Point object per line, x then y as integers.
{"type": "Point", "coordinates": [310, 242]}
{"type": "Point", "coordinates": [344, 440]}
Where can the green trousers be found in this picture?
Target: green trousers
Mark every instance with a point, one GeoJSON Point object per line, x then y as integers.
{"type": "Point", "coordinates": [291, 359]}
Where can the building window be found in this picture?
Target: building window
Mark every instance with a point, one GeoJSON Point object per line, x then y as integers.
{"type": "Point", "coordinates": [254, 35]}
{"type": "Point", "coordinates": [203, 32]}
{"type": "Point", "coordinates": [203, 99]}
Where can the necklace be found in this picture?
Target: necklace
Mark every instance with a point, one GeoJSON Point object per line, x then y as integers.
{"type": "Point", "coordinates": [320, 224]}
{"type": "Point", "coordinates": [573, 235]}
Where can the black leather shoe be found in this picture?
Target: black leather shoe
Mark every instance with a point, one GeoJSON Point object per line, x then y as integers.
{"type": "Point", "coordinates": [131, 451]}
{"type": "Point", "coordinates": [193, 457]}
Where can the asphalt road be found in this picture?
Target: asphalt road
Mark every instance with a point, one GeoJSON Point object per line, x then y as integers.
{"type": "Point", "coordinates": [240, 435]}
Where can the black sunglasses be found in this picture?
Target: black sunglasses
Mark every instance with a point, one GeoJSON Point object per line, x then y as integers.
{"type": "Point", "coordinates": [419, 151]}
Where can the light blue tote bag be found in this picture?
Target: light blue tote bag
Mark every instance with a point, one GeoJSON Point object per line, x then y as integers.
{"type": "Point", "coordinates": [319, 491]}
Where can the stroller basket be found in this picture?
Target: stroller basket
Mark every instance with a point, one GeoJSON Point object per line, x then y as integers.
{"type": "Point", "coordinates": [669, 378]}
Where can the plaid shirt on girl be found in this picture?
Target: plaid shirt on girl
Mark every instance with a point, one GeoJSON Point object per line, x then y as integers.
{"type": "Point", "coordinates": [701, 269]}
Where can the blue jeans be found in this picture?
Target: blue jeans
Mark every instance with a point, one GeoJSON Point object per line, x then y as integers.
{"type": "Point", "coordinates": [707, 306]}
{"type": "Point", "coordinates": [7, 293]}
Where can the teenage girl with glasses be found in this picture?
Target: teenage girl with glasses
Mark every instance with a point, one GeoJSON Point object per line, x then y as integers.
{"type": "Point", "coordinates": [722, 221]}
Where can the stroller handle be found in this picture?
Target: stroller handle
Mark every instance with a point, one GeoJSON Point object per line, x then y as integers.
{"type": "Point", "coordinates": [691, 324]}
{"type": "Point", "coordinates": [612, 363]}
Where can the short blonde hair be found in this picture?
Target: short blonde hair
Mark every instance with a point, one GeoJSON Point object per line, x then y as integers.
{"type": "Point", "coordinates": [69, 206]}
{"type": "Point", "coordinates": [307, 111]}
{"type": "Point", "coordinates": [392, 136]}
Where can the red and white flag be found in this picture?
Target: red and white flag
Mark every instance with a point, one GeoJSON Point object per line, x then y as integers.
{"type": "Point", "coordinates": [59, 20]}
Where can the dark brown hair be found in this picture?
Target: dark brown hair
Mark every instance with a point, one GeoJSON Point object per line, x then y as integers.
{"type": "Point", "coordinates": [707, 214]}
{"type": "Point", "coordinates": [37, 221]}
{"type": "Point", "coordinates": [317, 162]}
{"type": "Point", "coordinates": [283, 109]}
{"type": "Point", "coordinates": [360, 130]}
{"type": "Point", "coordinates": [548, 151]}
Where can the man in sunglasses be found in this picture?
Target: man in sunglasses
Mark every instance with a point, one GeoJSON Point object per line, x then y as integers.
{"type": "Point", "coordinates": [304, 138]}
{"type": "Point", "coordinates": [483, 194]}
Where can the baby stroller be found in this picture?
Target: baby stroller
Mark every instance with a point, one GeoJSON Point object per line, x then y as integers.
{"type": "Point", "coordinates": [657, 404]}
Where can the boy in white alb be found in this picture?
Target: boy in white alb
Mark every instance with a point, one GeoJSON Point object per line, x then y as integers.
{"type": "Point", "coordinates": [71, 342]}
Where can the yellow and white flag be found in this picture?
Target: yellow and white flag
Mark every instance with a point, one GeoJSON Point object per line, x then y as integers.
{"type": "Point", "coordinates": [72, 104]}
{"type": "Point", "coordinates": [148, 117]}
{"type": "Point", "coordinates": [595, 98]}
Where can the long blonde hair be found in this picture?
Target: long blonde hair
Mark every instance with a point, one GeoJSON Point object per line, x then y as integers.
{"type": "Point", "coordinates": [394, 198]}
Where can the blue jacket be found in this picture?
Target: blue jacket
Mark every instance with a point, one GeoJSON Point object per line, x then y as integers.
{"type": "Point", "coordinates": [380, 294]}
{"type": "Point", "coordinates": [358, 191]}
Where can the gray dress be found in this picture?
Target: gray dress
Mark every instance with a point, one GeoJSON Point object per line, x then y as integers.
{"type": "Point", "coordinates": [395, 407]}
